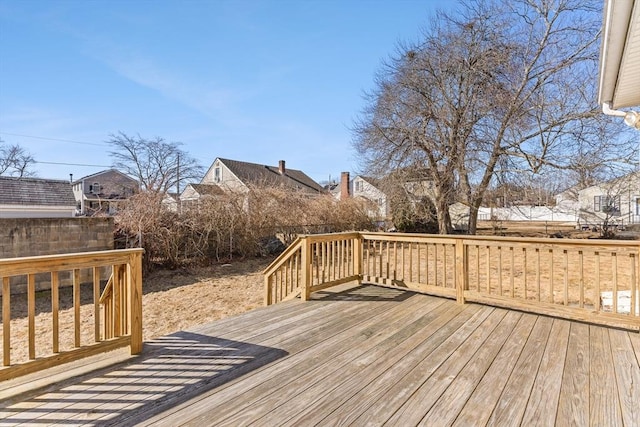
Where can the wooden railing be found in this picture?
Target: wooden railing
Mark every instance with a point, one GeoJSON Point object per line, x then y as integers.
{"type": "Point", "coordinates": [587, 280]}
{"type": "Point", "coordinates": [115, 319]}
{"type": "Point", "coordinates": [313, 263]}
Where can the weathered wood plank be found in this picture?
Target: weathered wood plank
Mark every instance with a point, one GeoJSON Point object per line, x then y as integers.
{"type": "Point", "coordinates": [431, 387]}
{"type": "Point", "coordinates": [603, 400]}
{"type": "Point", "coordinates": [573, 405]}
{"type": "Point", "coordinates": [366, 356]}
{"type": "Point", "coordinates": [370, 383]}
{"type": "Point", "coordinates": [494, 360]}
{"type": "Point", "coordinates": [627, 374]}
{"type": "Point", "coordinates": [320, 329]}
{"type": "Point", "coordinates": [543, 400]}
{"type": "Point", "coordinates": [347, 411]}
{"type": "Point", "coordinates": [500, 399]}
{"type": "Point", "coordinates": [297, 390]}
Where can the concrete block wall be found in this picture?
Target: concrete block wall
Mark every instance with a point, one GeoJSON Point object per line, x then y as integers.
{"type": "Point", "coordinates": [21, 237]}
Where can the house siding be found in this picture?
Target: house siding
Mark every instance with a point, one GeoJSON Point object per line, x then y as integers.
{"type": "Point", "coordinates": [364, 189]}
{"type": "Point", "coordinates": [625, 191]}
{"type": "Point", "coordinates": [225, 179]}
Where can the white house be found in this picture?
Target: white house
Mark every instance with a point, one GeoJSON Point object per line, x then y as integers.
{"type": "Point", "coordinates": [194, 193]}
{"type": "Point", "coordinates": [366, 188]}
{"type": "Point", "coordinates": [35, 198]}
{"type": "Point", "coordinates": [616, 201]}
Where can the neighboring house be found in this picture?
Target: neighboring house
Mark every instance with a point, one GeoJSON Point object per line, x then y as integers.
{"type": "Point", "coordinates": [35, 198]}
{"type": "Point", "coordinates": [413, 185]}
{"type": "Point", "coordinates": [233, 175]}
{"type": "Point", "coordinates": [170, 201]}
{"type": "Point", "coordinates": [370, 189]}
{"type": "Point", "coordinates": [614, 202]}
{"type": "Point", "coordinates": [103, 191]}
{"type": "Point", "coordinates": [568, 200]}
{"type": "Point", "coordinates": [365, 188]}
{"type": "Point", "coordinates": [194, 193]}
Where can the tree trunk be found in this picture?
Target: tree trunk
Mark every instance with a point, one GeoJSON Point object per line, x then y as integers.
{"type": "Point", "coordinates": [442, 211]}
{"type": "Point", "coordinates": [472, 225]}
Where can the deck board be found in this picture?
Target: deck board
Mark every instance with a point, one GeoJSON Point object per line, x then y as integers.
{"type": "Point", "coordinates": [501, 397]}
{"type": "Point", "coordinates": [603, 390]}
{"type": "Point", "coordinates": [267, 388]}
{"type": "Point", "coordinates": [543, 400]}
{"type": "Point", "coordinates": [573, 406]}
{"type": "Point", "coordinates": [627, 375]}
{"type": "Point", "coordinates": [366, 355]}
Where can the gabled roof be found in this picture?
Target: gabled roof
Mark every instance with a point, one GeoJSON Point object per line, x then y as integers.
{"type": "Point", "coordinates": [376, 182]}
{"type": "Point", "coordinates": [255, 174]}
{"type": "Point", "coordinates": [35, 191]}
{"type": "Point", "coordinates": [94, 175]}
{"type": "Point", "coordinates": [627, 179]}
{"type": "Point", "coordinates": [207, 189]}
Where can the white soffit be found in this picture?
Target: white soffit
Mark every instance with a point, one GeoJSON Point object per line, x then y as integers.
{"type": "Point", "coordinates": [619, 82]}
{"type": "Point", "coordinates": [627, 93]}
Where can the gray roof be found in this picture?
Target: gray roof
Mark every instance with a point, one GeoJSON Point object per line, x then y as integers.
{"type": "Point", "coordinates": [207, 189]}
{"type": "Point", "coordinates": [252, 173]}
{"type": "Point", "coordinates": [35, 191]}
{"type": "Point", "coordinates": [105, 172]}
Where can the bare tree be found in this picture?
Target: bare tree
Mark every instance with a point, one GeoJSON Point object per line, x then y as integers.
{"type": "Point", "coordinates": [158, 165]}
{"type": "Point", "coordinates": [502, 87]}
{"type": "Point", "coordinates": [15, 161]}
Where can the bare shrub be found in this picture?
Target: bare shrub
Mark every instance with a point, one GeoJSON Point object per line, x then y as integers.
{"type": "Point", "coordinates": [219, 228]}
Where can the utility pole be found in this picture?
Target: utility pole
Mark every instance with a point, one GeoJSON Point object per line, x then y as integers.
{"type": "Point", "coordinates": [178, 176]}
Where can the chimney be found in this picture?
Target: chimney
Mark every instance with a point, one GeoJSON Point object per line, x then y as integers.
{"type": "Point", "coordinates": [71, 178]}
{"type": "Point", "coordinates": [344, 186]}
{"type": "Point", "coordinates": [281, 167]}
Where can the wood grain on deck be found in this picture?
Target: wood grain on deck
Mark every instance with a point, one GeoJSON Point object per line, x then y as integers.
{"type": "Point", "coordinates": [363, 356]}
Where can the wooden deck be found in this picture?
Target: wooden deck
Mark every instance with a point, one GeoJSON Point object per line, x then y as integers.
{"type": "Point", "coordinates": [362, 356]}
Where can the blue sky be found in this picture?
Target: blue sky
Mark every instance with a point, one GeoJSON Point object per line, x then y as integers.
{"type": "Point", "coordinates": [256, 81]}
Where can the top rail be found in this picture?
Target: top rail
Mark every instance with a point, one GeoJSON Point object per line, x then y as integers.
{"type": "Point", "coordinates": [62, 262]}
{"type": "Point", "coordinates": [439, 238]}
{"type": "Point", "coordinates": [283, 257]}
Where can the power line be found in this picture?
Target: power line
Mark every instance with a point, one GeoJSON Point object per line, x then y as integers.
{"type": "Point", "coordinates": [71, 164]}
{"type": "Point", "coordinates": [53, 139]}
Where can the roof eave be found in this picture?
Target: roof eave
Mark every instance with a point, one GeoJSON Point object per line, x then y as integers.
{"type": "Point", "coordinates": [617, 20]}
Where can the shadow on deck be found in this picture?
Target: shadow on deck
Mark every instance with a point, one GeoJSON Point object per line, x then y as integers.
{"type": "Point", "coordinates": [367, 355]}
{"type": "Point", "coordinates": [171, 370]}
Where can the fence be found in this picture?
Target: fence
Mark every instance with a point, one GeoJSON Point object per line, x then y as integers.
{"type": "Point", "coordinates": [586, 280]}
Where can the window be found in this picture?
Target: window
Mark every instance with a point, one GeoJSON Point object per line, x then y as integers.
{"type": "Point", "coordinates": [606, 204]}
{"type": "Point", "coordinates": [94, 188]}
{"type": "Point", "coordinates": [358, 185]}
{"type": "Point", "coordinates": [217, 174]}
{"type": "Point", "coordinates": [638, 205]}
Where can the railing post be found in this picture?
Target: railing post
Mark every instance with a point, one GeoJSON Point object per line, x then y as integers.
{"type": "Point", "coordinates": [461, 271]}
{"type": "Point", "coordinates": [305, 292]}
{"type": "Point", "coordinates": [6, 321]}
{"type": "Point", "coordinates": [267, 287]}
{"type": "Point", "coordinates": [134, 278]}
{"type": "Point", "coordinates": [358, 243]}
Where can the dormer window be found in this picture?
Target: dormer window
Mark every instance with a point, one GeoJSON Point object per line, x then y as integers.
{"type": "Point", "coordinates": [94, 188]}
